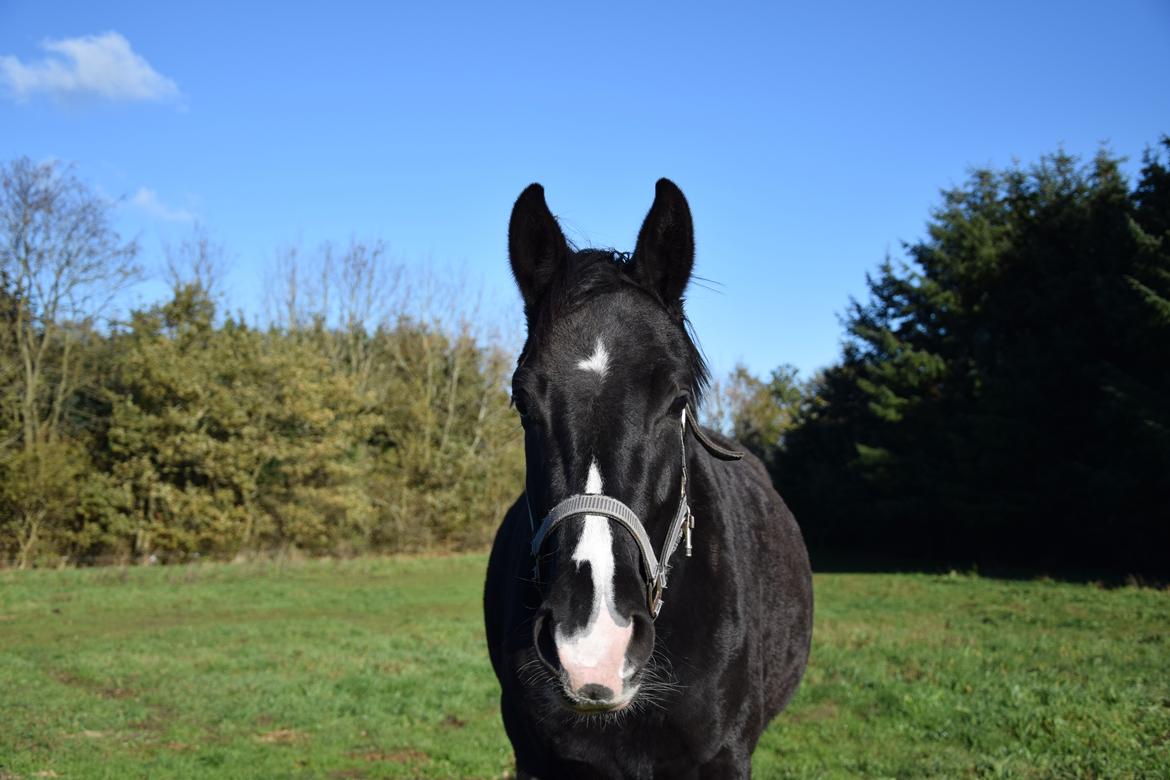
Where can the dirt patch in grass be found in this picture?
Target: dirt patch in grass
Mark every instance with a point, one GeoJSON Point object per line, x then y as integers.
{"type": "Point", "coordinates": [91, 734]}
{"type": "Point", "coordinates": [282, 737]}
{"type": "Point", "coordinates": [825, 710]}
{"type": "Point", "coordinates": [403, 756]}
{"type": "Point", "coordinates": [114, 692]}
{"type": "Point", "coordinates": [105, 691]}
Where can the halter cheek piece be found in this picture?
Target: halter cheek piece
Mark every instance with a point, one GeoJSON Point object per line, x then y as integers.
{"type": "Point", "coordinates": [654, 568]}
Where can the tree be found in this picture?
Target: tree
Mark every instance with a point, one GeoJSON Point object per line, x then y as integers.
{"type": "Point", "coordinates": [1004, 395]}
{"type": "Point", "coordinates": [61, 264]}
{"type": "Point", "coordinates": [231, 439]}
{"type": "Point", "coordinates": [370, 414]}
{"type": "Point", "coordinates": [445, 450]}
{"type": "Point", "coordinates": [755, 412]}
{"type": "Point", "coordinates": [449, 455]}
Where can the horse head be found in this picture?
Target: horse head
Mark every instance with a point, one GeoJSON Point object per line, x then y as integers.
{"type": "Point", "coordinates": [603, 387]}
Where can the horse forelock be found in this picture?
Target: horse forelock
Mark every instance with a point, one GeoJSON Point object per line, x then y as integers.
{"type": "Point", "coordinates": [591, 273]}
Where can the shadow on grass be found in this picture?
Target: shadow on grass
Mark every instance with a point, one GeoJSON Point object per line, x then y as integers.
{"type": "Point", "coordinates": [835, 560]}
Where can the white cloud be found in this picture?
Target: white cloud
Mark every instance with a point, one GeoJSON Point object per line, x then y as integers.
{"type": "Point", "coordinates": [97, 65]}
{"type": "Point", "coordinates": [148, 201]}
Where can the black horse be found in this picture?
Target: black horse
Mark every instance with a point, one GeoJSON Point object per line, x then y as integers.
{"type": "Point", "coordinates": [605, 671]}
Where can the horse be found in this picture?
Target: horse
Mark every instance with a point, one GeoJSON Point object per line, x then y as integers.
{"type": "Point", "coordinates": [648, 599]}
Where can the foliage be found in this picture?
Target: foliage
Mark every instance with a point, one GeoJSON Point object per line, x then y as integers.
{"type": "Point", "coordinates": [360, 420]}
{"type": "Point", "coordinates": [231, 439]}
{"type": "Point", "coordinates": [1004, 396]}
{"type": "Point", "coordinates": [60, 262]}
{"type": "Point", "coordinates": [376, 668]}
{"type": "Point", "coordinates": [756, 412]}
{"type": "Point", "coordinates": [452, 452]}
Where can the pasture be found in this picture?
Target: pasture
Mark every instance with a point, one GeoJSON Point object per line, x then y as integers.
{"type": "Point", "coordinates": [376, 668]}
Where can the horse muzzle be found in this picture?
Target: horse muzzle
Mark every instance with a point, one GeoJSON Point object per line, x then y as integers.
{"type": "Point", "coordinates": [599, 666]}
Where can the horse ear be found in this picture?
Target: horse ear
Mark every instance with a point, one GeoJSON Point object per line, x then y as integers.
{"type": "Point", "coordinates": [536, 245]}
{"type": "Point", "coordinates": [665, 252]}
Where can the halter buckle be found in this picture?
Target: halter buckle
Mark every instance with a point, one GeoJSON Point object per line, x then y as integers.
{"type": "Point", "coordinates": [655, 596]}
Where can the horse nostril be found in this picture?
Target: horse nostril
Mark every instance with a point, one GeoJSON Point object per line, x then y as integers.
{"type": "Point", "coordinates": [595, 692]}
{"type": "Point", "coordinates": [542, 641]}
{"type": "Point", "coordinates": [641, 643]}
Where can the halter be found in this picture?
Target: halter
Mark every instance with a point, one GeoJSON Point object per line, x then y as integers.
{"type": "Point", "coordinates": [653, 568]}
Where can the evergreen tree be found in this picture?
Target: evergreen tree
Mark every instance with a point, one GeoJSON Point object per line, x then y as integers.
{"type": "Point", "coordinates": [1004, 395]}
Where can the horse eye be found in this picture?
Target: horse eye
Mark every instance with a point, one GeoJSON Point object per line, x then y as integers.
{"type": "Point", "coordinates": [679, 404]}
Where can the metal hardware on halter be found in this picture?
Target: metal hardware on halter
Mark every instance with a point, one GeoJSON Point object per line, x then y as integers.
{"type": "Point", "coordinates": [653, 569]}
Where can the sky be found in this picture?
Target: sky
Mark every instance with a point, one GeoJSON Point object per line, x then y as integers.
{"type": "Point", "coordinates": [811, 138]}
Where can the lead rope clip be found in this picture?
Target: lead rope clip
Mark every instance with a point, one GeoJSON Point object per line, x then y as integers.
{"type": "Point", "coordinates": [689, 526]}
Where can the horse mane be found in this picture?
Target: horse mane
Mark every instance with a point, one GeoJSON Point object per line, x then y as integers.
{"type": "Point", "coordinates": [590, 272]}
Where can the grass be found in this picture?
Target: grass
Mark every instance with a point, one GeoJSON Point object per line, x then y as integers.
{"type": "Point", "coordinates": [376, 668]}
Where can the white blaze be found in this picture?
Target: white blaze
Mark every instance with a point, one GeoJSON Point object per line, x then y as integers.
{"type": "Point", "coordinates": [599, 363]}
{"type": "Point", "coordinates": [597, 653]}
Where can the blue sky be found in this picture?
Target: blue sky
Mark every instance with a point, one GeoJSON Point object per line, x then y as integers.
{"type": "Point", "coordinates": [810, 138]}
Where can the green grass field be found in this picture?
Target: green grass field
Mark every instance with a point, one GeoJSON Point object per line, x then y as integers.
{"type": "Point", "coordinates": [376, 668]}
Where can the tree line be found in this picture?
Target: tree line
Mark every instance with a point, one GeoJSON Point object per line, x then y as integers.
{"type": "Point", "coordinates": [1003, 394]}
{"type": "Point", "coordinates": [370, 414]}
{"type": "Point", "coordinates": [1002, 397]}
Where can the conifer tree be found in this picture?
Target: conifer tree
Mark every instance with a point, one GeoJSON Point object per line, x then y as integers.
{"type": "Point", "coordinates": [1004, 394]}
